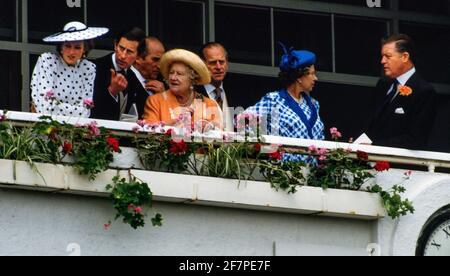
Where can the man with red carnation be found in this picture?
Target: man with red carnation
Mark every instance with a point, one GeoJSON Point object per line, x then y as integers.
{"type": "Point", "coordinates": [405, 103]}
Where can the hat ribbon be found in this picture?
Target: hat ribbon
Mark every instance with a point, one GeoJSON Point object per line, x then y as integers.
{"type": "Point", "coordinates": [70, 30]}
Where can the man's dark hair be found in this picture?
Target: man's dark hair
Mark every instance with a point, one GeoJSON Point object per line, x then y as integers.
{"type": "Point", "coordinates": [211, 45]}
{"type": "Point", "coordinates": [134, 34]}
{"type": "Point", "coordinates": [88, 46]}
{"type": "Point", "coordinates": [403, 44]}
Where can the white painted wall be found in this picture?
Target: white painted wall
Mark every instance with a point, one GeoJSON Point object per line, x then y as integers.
{"type": "Point", "coordinates": [36, 223]}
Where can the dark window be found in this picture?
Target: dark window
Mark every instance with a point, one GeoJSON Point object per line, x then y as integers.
{"type": "Point", "coordinates": [245, 31]}
{"type": "Point", "coordinates": [246, 90]}
{"type": "Point", "coordinates": [433, 50]}
{"type": "Point", "coordinates": [358, 45]}
{"type": "Point", "coordinates": [305, 31]}
{"type": "Point", "coordinates": [116, 16]}
{"type": "Point", "coordinates": [440, 135]}
{"type": "Point", "coordinates": [347, 107]}
{"type": "Point", "coordinates": [362, 3]}
{"type": "Point", "coordinates": [9, 81]}
{"type": "Point", "coordinates": [436, 7]}
{"type": "Point", "coordinates": [33, 61]}
{"type": "Point", "coordinates": [7, 19]}
{"type": "Point", "coordinates": [178, 24]}
{"type": "Point", "coordinates": [49, 16]}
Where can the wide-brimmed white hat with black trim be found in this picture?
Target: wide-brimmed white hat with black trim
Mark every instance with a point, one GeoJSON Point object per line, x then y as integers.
{"type": "Point", "coordinates": [76, 31]}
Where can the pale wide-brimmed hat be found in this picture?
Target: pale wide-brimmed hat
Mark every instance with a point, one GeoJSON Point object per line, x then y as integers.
{"type": "Point", "coordinates": [76, 31]}
{"type": "Point", "coordinates": [190, 59]}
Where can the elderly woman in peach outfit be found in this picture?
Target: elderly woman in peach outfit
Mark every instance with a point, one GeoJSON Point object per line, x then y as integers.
{"type": "Point", "coordinates": [180, 104]}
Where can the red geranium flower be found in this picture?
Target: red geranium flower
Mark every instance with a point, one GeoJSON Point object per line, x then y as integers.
{"type": "Point", "coordinates": [258, 148]}
{"type": "Point", "coordinates": [169, 132]}
{"type": "Point", "coordinates": [179, 148]}
{"type": "Point", "coordinates": [67, 147]}
{"type": "Point", "coordinates": [382, 166]}
{"type": "Point", "coordinates": [113, 144]}
{"type": "Point", "coordinates": [362, 155]}
{"type": "Point", "coordinates": [276, 155]}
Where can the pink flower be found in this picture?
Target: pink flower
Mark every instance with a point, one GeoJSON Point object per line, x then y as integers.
{"type": "Point", "coordinates": [408, 174]}
{"type": "Point", "coordinates": [107, 226]}
{"type": "Point", "coordinates": [49, 95]}
{"type": "Point", "coordinates": [2, 117]}
{"type": "Point", "coordinates": [136, 129]}
{"type": "Point", "coordinates": [95, 131]}
{"type": "Point", "coordinates": [312, 149]}
{"type": "Point", "coordinates": [322, 151]}
{"type": "Point", "coordinates": [88, 103]}
{"type": "Point", "coordinates": [141, 123]}
{"type": "Point", "coordinates": [131, 207]}
{"type": "Point", "coordinates": [153, 127]}
{"type": "Point", "coordinates": [335, 133]}
{"type": "Point", "coordinates": [322, 158]}
{"type": "Point", "coordinates": [138, 210]}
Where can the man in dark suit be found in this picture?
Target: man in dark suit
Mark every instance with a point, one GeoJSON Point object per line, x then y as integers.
{"type": "Point", "coordinates": [146, 68]}
{"type": "Point", "coordinates": [113, 94]}
{"type": "Point", "coordinates": [405, 103]}
{"type": "Point", "coordinates": [215, 57]}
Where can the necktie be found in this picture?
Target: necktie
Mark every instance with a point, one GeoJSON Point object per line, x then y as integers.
{"type": "Point", "coordinates": [123, 100]}
{"type": "Point", "coordinates": [390, 96]}
{"type": "Point", "coordinates": [219, 100]}
{"type": "Point", "coordinates": [123, 95]}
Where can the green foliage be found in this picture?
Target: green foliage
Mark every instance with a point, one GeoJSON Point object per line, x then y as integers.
{"type": "Point", "coordinates": [159, 152]}
{"type": "Point", "coordinates": [287, 176]}
{"type": "Point", "coordinates": [92, 147]}
{"type": "Point", "coordinates": [130, 199]}
{"type": "Point", "coordinates": [22, 145]}
{"type": "Point", "coordinates": [392, 200]}
{"type": "Point", "coordinates": [339, 171]}
{"type": "Point", "coordinates": [234, 161]}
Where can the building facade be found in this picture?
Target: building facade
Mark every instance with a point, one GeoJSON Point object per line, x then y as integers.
{"type": "Point", "coordinates": [345, 34]}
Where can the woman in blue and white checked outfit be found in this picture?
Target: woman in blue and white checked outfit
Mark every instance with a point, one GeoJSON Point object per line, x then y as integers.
{"type": "Point", "coordinates": [291, 112]}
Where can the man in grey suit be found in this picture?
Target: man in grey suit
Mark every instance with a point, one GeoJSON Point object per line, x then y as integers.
{"type": "Point", "coordinates": [215, 57]}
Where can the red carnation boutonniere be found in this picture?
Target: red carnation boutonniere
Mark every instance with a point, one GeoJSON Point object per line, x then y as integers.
{"type": "Point", "coordinates": [404, 90]}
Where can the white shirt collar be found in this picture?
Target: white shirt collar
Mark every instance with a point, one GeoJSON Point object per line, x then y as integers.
{"type": "Point", "coordinates": [211, 88]}
{"type": "Point", "coordinates": [139, 76]}
{"type": "Point", "coordinates": [403, 79]}
{"type": "Point", "coordinates": [141, 79]}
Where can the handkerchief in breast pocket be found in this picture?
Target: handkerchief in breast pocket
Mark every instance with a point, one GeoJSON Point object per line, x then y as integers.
{"type": "Point", "coordinates": [400, 111]}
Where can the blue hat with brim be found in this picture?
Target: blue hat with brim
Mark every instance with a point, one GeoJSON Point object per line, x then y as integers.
{"type": "Point", "coordinates": [295, 60]}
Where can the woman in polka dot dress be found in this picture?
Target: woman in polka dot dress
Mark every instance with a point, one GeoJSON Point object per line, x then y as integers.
{"type": "Point", "coordinates": [63, 82]}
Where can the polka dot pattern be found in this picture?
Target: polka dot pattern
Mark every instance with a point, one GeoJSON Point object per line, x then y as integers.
{"type": "Point", "coordinates": [69, 86]}
{"type": "Point", "coordinates": [89, 33]}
